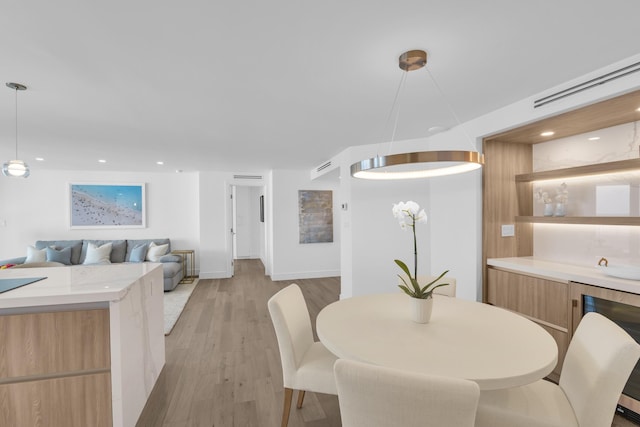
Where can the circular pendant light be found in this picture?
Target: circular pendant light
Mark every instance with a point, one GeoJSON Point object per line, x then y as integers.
{"type": "Point", "coordinates": [420, 164]}
{"type": "Point", "coordinates": [16, 168]}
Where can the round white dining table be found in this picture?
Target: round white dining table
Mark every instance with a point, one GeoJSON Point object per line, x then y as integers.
{"type": "Point", "coordinates": [464, 339]}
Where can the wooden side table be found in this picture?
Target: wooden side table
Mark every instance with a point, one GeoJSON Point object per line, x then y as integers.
{"type": "Point", "coordinates": [187, 255]}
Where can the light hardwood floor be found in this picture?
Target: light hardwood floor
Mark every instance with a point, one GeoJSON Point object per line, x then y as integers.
{"type": "Point", "coordinates": [223, 366]}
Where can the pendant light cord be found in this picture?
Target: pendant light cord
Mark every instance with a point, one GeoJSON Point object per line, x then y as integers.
{"type": "Point", "coordinates": [396, 101]}
{"type": "Point", "coordinates": [393, 107]}
{"type": "Point", "coordinates": [16, 122]}
{"type": "Point", "coordinates": [450, 108]}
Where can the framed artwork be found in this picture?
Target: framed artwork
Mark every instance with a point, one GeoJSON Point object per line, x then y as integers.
{"type": "Point", "coordinates": [315, 216]}
{"type": "Point", "coordinates": [107, 205]}
{"type": "Point", "coordinates": [261, 208]}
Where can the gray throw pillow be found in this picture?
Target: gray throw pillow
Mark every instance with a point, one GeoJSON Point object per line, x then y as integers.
{"type": "Point", "coordinates": [139, 253]}
{"type": "Point", "coordinates": [62, 256]}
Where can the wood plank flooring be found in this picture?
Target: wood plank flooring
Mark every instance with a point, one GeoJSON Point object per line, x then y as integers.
{"type": "Point", "coordinates": [223, 365]}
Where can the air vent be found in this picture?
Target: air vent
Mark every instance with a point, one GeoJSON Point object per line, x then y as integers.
{"type": "Point", "coordinates": [324, 166]}
{"type": "Point", "coordinates": [606, 78]}
{"type": "Point", "coordinates": [247, 176]}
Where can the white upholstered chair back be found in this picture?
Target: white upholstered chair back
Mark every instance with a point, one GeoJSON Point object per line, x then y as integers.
{"type": "Point", "coordinates": [292, 324]}
{"type": "Point", "coordinates": [374, 396]}
{"type": "Point", "coordinates": [598, 363]}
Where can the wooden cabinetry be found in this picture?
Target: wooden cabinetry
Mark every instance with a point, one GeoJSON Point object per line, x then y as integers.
{"type": "Point", "coordinates": [55, 369]}
{"type": "Point", "coordinates": [508, 176]}
{"type": "Point", "coordinates": [542, 301]}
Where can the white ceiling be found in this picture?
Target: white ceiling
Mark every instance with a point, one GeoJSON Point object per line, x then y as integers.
{"type": "Point", "coordinates": [252, 85]}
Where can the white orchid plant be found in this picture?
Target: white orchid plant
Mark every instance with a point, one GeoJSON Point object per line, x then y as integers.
{"type": "Point", "coordinates": [409, 214]}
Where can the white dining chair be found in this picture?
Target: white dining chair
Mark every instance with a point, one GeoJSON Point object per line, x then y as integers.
{"type": "Point", "coordinates": [449, 291]}
{"type": "Point", "coordinates": [598, 363]}
{"type": "Point", "coordinates": [376, 396]}
{"type": "Point", "coordinates": [306, 365]}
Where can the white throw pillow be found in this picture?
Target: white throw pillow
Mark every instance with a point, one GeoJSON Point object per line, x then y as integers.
{"type": "Point", "coordinates": [98, 255]}
{"type": "Point", "coordinates": [156, 251]}
{"type": "Point", "coordinates": [35, 255]}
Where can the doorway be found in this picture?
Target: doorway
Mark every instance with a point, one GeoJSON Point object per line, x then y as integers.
{"type": "Point", "coordinates": [248, 226]}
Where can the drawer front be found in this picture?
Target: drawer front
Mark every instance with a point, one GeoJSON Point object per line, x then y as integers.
{"type": "Point", "coordinates": [37, 344]}
{"type": "Point", "coordinates": [61, 402]}
{"type": "Point", "coordinates": [540, 299]}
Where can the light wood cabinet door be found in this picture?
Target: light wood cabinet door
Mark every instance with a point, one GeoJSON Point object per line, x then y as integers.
{"type": "Point", "coordinates": [543, 301]}
{"type": "Point", "coordinates": [55, 369]}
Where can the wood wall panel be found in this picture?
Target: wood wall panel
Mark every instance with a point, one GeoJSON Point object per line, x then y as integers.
{"type": "Point", "coordinates": [50, 343]}
{"type": "Point", "coordinates": [502, 203]}
{"type": "Point", "coordinates": [79, 401]}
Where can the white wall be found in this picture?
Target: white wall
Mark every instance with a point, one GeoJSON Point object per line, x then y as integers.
{"type": "Point", "coordinates": [292, 260]}
{"type": "Point", "coordinates": [37, 208]}
{"type": "Point", "coordinates": [284, 258]}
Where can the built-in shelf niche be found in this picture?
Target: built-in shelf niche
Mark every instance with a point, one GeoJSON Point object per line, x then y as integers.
{"type": "Point", "coordinates": [600, 170]}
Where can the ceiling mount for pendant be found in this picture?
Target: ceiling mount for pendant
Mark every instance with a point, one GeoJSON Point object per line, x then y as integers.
{"type": "Point", "coordinates": [413, 60]}
{"type": "Point", "coordinates": [16, 86]}
{"type": "Point", "coordinates": [421, 164]}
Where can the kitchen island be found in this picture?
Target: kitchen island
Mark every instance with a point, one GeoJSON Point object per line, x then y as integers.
{"type": "Point", "coordinates": [83, 346]}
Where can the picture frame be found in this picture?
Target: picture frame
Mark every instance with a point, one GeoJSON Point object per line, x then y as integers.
{"type": "Point", "coordinates": [262, 208]}
{"type": "Point", "coordinates": [315, 216]}
{"type": "Point", "coordinates": [98, 205]}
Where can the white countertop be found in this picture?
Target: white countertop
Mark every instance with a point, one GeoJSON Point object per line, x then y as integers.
{"type": "Point", "coordinates": [564, 273]}
{"type": "Point", "coordinates": [73, 285]}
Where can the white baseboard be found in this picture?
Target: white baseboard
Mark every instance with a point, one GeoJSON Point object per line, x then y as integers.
{"type": "Point", "coordinates": [306, 275]}
{"type": "Point", "coordinates": [214, 275]}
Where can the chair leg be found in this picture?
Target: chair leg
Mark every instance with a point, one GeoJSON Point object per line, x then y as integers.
{"type": "Point", "coordinates": [288, 395]}
{"type": "Point", "coordinates": [300, 398]}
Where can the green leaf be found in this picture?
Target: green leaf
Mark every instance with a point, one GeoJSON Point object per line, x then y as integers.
{"type": "Point", "coordinates": [406, 290]}
{"type": "Point", "coordinates": [434, 288]}
{"type": "Point", "coordinates": [438, 278]}
{"type": "Point", "coordinates": [403, 266]}
{"type": "Point", "coordinates": [416, 286]}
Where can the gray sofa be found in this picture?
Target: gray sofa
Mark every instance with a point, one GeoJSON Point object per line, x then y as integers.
{"type": "Point", "coordinates": [120, 252]}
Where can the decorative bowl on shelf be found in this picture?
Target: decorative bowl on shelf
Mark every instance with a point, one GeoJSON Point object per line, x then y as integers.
{"type": "Point", "coordinates": [621, 271]}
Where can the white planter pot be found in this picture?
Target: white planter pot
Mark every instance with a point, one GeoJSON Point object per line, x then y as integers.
{"type": "Point", "coordinates": [421, 309]}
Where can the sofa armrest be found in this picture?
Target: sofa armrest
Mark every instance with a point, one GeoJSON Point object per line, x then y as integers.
{"type": "Point", "coordinates": [170, 258]}
{"type": "Point", "coordinates": [18, 260]}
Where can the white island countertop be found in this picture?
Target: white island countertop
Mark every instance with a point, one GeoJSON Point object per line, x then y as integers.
{"type": "Point", "coordinates": [561, 272]}
{"type": "Point", "coordinates": [80, 284]}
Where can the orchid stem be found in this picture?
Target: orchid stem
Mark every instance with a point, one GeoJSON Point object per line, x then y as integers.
{"type": "Point", "coordinates": [415, 250]}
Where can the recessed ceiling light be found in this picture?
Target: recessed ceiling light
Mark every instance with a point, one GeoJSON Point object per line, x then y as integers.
{"type": "Point", "coordinates": [102, 161]}
{"type": "Point", "coordinates": [436, 129]}
{"type": "Point", "coordinates": [547, 133]}
{"type": "Point", "coordinates": [159, 163]}
{"type": "Point", "coordinates": [178, 170]}
{"type": "Point", "coordinates": [40, 159]}
{"type": "Point", "coordinates": [594, 138]}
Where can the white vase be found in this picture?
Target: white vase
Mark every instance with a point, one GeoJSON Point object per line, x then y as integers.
{"type": "Point", "coordinates": [421, 309]}
{"type": "Point", "coordinates": [548, 209]}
